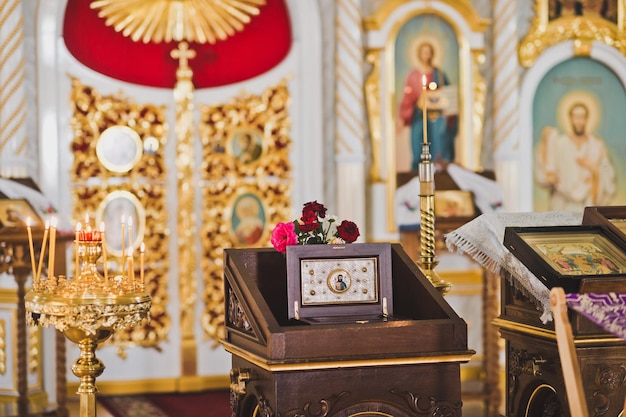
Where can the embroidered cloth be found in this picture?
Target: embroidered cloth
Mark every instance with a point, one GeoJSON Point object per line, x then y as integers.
{"type": "Point", "coordinates": [482, 240]}
{"type": "Point", "coordinates": [607, 310]}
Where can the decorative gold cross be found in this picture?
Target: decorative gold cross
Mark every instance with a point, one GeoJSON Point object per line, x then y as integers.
{"type": "Point", "coordinates": [183, 54]}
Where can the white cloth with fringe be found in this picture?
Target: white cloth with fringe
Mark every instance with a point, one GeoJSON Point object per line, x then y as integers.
{"type": "Point", "coordinates": [482, 240]}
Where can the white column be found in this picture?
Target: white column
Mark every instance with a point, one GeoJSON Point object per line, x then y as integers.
{"type": "Point", "coordinates": [506, 99]}
{"type": "Point", "coordinates": [351, 127]}
{"type": "Point", "coordinates": [14, 160]}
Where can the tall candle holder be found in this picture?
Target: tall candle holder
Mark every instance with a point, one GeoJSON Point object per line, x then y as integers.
{"type": "Point", "coordinates": [88, 308]}
{"type": "Point", "coordinates": [428, 260]}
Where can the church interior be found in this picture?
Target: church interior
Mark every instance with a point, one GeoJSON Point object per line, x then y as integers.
{"type": "Point", "coordinates": [315, 207]}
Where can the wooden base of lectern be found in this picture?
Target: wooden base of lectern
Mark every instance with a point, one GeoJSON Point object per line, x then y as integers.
{"type": "Point", "coordinates": [407, 366]}
{"type": "Point", "coordinates": [535, 384]}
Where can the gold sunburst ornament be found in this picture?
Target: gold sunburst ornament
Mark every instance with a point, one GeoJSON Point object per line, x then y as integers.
{"type": "Point", "coordinates": [198, 21]}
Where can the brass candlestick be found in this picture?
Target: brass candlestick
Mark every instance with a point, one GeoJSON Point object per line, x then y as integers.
{"type": "Point", "coordinates": [428, 260]}
{"type": "Point", "coordinates": [88, 309]}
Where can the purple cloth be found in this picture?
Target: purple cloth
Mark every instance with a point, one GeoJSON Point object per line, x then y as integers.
{"type": "Point", "coordinates": [607, 310]}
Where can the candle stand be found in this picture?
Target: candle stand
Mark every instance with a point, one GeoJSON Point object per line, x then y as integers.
{"type": "Point", "coordinates": [88, 308]}
{"type": "Point", "coordinates": [428, 260]}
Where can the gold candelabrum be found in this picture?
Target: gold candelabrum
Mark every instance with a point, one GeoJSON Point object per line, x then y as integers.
{"type": "Point", "coordinates": [428, 260]}
{"type": "Point", "coordinates": [89, 307]}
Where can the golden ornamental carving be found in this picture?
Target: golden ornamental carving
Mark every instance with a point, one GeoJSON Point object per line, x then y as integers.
{"type": "Point", "coordinates": [34, 349]}
{"type": "Point", "coordinates": [546, 31]}
{"type": "Point", "coordinates": [185, 168]}
{"type": "Point", "coordinates": [246, 184]}
{"type": "Point", "coordinates": [201, 21]}
{"type": "Point", "coordinates": [374, 116]}
{"type": "Point", "coordinates": [145, 181]}
{"type": "Point", "coordinates": [479, 86]}
{"type": "Point", "coordinates": [464, 7]}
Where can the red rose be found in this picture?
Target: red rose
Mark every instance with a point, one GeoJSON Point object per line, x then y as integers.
{"type": "Point", "coordinates": [308, 227]}
{"type": "Point", "coordinates": [283, 235]}
{"type": "Point", "coordinates": [348, 231]}
{"type": "Point", "coordinates": [308, 216]}
{"type": "Point", "coordinates": [316, 208]}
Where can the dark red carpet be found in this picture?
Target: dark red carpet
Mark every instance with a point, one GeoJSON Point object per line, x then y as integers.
{"type": "Point", "coordinates": [206, 404]}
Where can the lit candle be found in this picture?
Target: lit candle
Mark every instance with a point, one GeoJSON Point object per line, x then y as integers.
{"type": "Point", "coordinates": [78, 239]}
{"type": "Point", "coordinates": [104, 253]}
{"type": "Point", "coordinates": [131, 267]}
{"type": "Point", "coordinates": [424, 110]}
{"type": "Point", "coordinates": [42, 254]}
{"type": "Point", "coordinates": [142, 249]}
{"type": "Point", "coordinates": [123, 241]}
{"type": "Point", "coordinates": [53, 236]}
{"type": "Point", "coordinates": [32, 248]}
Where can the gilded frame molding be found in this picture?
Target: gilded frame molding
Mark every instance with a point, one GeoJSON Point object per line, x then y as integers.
{"type": "Point", "coordinates": [92, 113]}
{"type": "Point", "coordinates": [246, 217]}
{"type": "Point", "coordinates": [225, 180]}
{"type": "Point", "coordinates": [124, 200]}
{"type": "Point", "coordinates": [119, 148]}
{"type": "Point", "coordinates": [547, 30]}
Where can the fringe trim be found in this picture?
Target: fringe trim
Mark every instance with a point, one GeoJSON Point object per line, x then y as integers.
{"type": "Point", "coordinates": [458, 244]}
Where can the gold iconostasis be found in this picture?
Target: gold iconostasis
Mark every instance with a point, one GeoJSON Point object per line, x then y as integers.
{"type": "Point", "coordinates": [119, 177]}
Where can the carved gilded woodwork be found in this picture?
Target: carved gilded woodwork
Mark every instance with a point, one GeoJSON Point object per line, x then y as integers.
{"type": "Point", "coordinates": [551, 26]}
{"type": "Point", "coordinates": [143, 178]}
{"type": "Point", "coordinates": [245, 188]}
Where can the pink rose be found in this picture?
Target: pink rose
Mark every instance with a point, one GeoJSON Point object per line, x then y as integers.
{"type": "Point", "coordinates": [284, 234]}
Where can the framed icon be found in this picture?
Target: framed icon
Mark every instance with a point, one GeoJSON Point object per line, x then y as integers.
{"type": "Point", "coordinates": [564, 255]}
{"type": "Point", "coordinates": [248, 219]}
{"type": "Point", "coordinates": [124, 217]}
{"type": "Point", "coordinates": [454, 203]}
{"type": "Point", "coordinates": [16, 213]}
{"type": "Point", "coordinates": [339, 280]}
{"type": "Point", "coordinates": [612, 218]}
{"type": "Point", "coordinates": [119, 148]}
{"type": "Point", "coordinates": [246, 145]}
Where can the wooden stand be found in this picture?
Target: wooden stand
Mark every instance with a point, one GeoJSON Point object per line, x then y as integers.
{"type": "Point", "coordinates": [30, 400]}
{"type": "Point", "coordinates": [489, 390]}
{"type": "Point", "coordinates": [534, 370]}
{"type": "Point", "coordinates": [406, 365]}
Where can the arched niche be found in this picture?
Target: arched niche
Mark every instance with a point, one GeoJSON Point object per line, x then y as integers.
{"type": "Point", "coordinates": [599, 54]}
{"type": "Point", "coordinates": [396, 24]}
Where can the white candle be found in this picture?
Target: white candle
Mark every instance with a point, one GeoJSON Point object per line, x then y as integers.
{"type": "Point", "coordinates": [32, 249]}
{"type": "Point", "coordinates": [424, 111]}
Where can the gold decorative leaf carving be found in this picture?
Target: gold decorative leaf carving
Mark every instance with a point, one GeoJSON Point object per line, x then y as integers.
{"type": "Point", "coordinates": [226, 178]}
{"type": "Point", "coordinates": [92, 114]}
{"type": "Point", "coordinates": [157, 21]}
{"type": "Point", "coordinates": [581, 29]}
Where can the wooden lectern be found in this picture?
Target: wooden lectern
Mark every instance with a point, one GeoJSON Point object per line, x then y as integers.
{"type": "Point", "coordinates": [407, 364]}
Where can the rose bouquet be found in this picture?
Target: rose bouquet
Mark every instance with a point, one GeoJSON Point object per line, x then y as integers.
{"type": "Point", "coordinates": [313, 227]}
